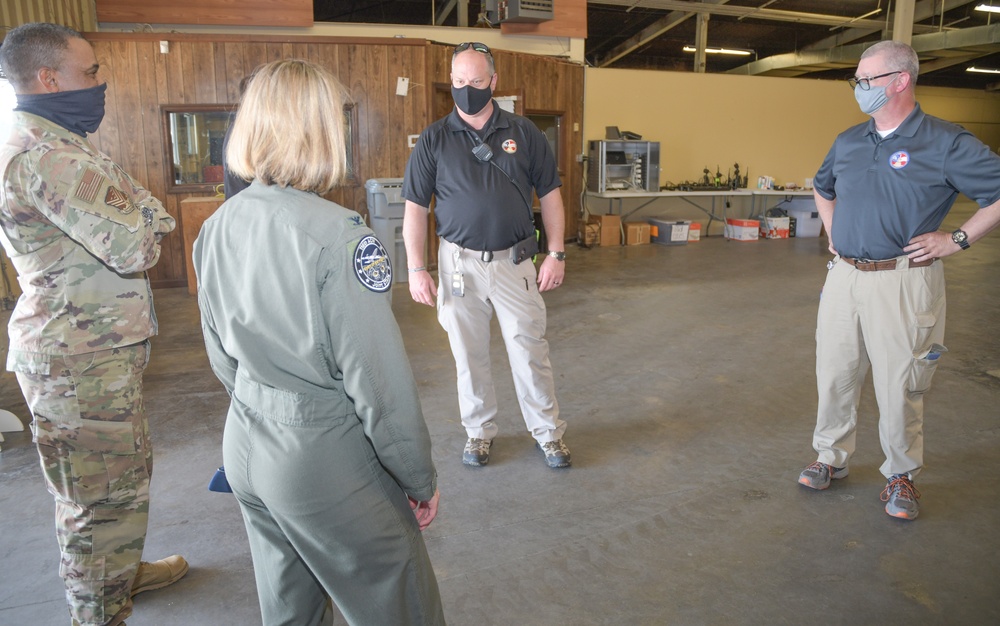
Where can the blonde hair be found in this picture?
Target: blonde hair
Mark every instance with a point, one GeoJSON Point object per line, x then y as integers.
{"type": "Point", "coordinates": [289, 130]}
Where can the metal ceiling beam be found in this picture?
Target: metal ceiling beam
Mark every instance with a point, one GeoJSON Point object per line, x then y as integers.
{"type": "Point", "coordinates": [648, 34]}
{"type": "Point", "coordinates": [927, 43]}
{"type": "Point", "coordinates": [773, 15]}
{"type": "Point", "coordinates": [446, 8]}
{"type": "Point", "coordinates": [925, 10]}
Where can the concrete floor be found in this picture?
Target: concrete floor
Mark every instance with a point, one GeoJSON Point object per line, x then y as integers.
{"type": "Point", "coordinates": [686, 375]}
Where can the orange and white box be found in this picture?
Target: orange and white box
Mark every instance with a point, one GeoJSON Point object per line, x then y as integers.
{"type": "Point", "coordinates": [694, 232]}
{"type": "Point", "coordinates": [774, 227]}
{"type": "Point", "coordinates": [742, 230]}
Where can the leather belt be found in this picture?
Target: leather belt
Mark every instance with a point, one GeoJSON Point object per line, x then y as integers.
{"type": "Point", "coordinates": [867, 265]}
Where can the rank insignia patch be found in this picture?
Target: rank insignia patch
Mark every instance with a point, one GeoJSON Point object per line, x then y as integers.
{"type": "Point", "coordinates": [90, 184]}
{"type": "Point", "coordinates": [371, 264]}
{"type": "Point", "coordinates": [117, 198]}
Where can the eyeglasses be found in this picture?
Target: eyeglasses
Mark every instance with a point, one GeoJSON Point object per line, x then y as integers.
{"type": "Point", "coordinates": [866, 82]}
{"type": "Point", "coordinates": [475, 45]}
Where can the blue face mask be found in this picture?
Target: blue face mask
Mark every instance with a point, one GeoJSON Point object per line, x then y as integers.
{"type": "Point", "coordinates": [80, 111]}
{"type": "Point", "coordinates": [872, 99]}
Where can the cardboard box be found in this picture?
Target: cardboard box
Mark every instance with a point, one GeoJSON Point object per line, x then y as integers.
{"type": "Point", "coordinates": [590, 233]}
{"type": "Point", "coordinates": [694, 232]}
{"type": "Point", "coordinates": [636, 233]}
{"type": "Point", "coordinates": [774, 227]}
{"type": "Point", "coordinates": [742, 230]}
{"type": "Point", "coordinates": [668, 233]}
{"type": "Point", "coordinates": [611, 230]}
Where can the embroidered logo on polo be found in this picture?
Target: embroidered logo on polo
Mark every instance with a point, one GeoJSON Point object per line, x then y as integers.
{"type": "Point", "coordinates": [371, 264]}
{"type": "Point", "coordinates": [898, 160]}
{"type": "Point", "coordinates": [509, 146]}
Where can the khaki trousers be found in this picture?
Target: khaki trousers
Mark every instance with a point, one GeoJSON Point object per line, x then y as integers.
{"type": "Point", "coordinates": [512, 292]}
{"type": "Point", "coordinates": [889, 321]}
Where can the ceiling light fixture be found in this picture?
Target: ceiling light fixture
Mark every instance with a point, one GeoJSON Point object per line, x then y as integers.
{"type": "Point", "coordinates": [742, 53]}
{"type": "Point", "coordinates": [988, 8]}
{"type": "Point", "coordinates": [983, 70]}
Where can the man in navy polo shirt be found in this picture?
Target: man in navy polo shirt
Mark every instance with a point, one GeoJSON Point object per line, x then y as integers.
{"type": "Point", "coordinates": [882, 192]}
{"type": "Point", "coordinates": [481, 164]}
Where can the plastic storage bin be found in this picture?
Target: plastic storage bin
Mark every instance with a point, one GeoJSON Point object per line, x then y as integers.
{"type": "Point", "coordinates": [386, 209]}
{"type": "Point", "coordinates": [807, 220]}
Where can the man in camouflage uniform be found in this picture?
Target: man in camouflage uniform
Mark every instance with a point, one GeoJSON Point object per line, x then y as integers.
{"type": "Point", "coordinates": [81, 234]}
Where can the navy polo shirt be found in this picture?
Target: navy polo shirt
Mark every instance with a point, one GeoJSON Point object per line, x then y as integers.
{"type": "Point", "coordinates": [478, 206]}
{"type": "Point", "coordinates": [893, 189]}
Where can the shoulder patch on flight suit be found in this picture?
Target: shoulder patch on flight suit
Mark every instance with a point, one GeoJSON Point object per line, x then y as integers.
{"type": "Point", "coordinates": [371, 264]}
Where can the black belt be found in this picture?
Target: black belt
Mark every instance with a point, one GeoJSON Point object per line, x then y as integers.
{"type": "Point", "coordinates": [484, 255]}
{"type": "Point", "coordinates": [867, 265]}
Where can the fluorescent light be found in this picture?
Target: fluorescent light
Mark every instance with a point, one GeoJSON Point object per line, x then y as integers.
{"type": "Point", "coordinates": [988, 7]}
{"type": "Point", "coordinates": [983, 70]}
{"type": "Point", "coordinates": [743, 53]}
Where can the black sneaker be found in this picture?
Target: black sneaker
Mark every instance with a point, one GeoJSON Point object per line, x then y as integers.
{"type": "Point", "coordinates": [556, 453]}
{"type": "Point", "coordinates": [477, 452]}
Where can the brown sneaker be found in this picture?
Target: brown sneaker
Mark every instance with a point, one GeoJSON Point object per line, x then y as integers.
{"type": "Point", "coordinates": [159, 574]}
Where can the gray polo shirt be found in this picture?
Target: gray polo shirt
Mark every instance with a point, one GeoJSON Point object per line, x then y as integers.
{"type": "Point", "coordinates": [478, 206]}
{"type": "Point", "coordinates": [893, 189]}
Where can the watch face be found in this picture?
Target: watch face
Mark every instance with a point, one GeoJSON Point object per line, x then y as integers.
{"type": "Point", "coordinates": [959, 237]}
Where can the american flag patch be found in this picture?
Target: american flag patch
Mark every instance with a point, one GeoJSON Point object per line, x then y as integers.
{"type": "Point", "coordinates": [117, 198]}
{"type": "Point", "coordinates": [90, 184]}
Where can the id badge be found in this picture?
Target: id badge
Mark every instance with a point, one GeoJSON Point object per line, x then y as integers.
{"type": "Point", "coordinates": [458, 284]}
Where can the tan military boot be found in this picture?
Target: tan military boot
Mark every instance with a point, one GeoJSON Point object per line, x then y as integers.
{"type": "Point", "coordinates": [159, 574]}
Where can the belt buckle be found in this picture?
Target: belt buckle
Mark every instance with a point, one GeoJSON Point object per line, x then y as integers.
{"type": "Point", "coordinates": [486, 256]}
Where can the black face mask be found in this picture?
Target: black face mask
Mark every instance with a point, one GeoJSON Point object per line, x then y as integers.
{"type": "Point", "coordinates": [470, 100]}
{"type": "Point", "coordinates": [80, 111]}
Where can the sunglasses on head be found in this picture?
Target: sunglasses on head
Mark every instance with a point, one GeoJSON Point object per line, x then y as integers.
{"type": "Point", "coordinates": [475, 45]}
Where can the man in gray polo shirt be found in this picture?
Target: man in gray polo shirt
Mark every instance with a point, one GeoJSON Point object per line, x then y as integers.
{"type": "Point", "coordinates": [882, 192]}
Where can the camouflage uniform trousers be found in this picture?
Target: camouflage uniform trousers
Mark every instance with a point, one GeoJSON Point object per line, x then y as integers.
{"type": "Point", "coordinates": [93, 440]}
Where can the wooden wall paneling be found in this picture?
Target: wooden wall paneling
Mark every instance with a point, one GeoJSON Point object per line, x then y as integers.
{"type": "Point", "coordinates": [200, 75]}
{"type": "Point", "coordinates": [254, 55]}
{"type": "Point", "coordinates": [124, 74]}
{"type": "Point", "coordinates": [235, 69]}
{"type": "Point", "coordinates": [222, 77]}
{"type": "Point", "coordinates": [244, 13]}
{"type": "Point", "coordinates": [173, 262]}
{"type": "Point", "coordinates": [384, 115]}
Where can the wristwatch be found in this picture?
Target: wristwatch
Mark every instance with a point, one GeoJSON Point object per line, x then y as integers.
{"type": "Point", "coordinates": [557, 255]}
{"type": "Point", "coordinates": [960, 238]}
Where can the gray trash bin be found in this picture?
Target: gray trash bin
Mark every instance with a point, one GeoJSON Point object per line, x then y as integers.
{"type": "Point", "coordinates": [385, 206]}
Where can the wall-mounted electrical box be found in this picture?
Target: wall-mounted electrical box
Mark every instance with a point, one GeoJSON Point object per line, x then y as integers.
{"type": "Point", "coordinates": [623, 165]}
{"type": "Point", "coordinates": [525, 10]}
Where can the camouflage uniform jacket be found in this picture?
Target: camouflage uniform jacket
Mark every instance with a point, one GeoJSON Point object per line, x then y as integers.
{"type": "Point", "coordinates": [81, 234]}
